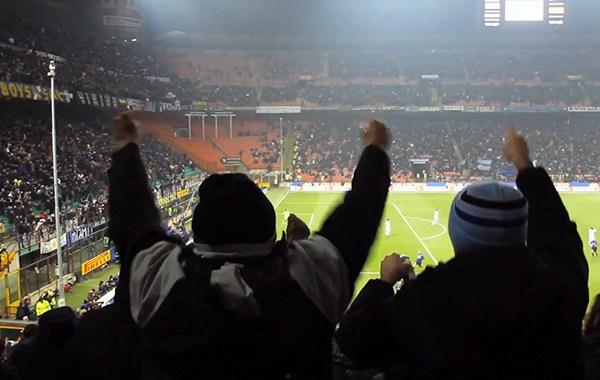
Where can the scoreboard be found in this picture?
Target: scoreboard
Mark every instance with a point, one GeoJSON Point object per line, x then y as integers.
{"type": "Point", "coordinates": [498, 13]}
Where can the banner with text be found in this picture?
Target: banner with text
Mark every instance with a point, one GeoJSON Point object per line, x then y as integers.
{"type": "Point", "coordinates": [278, 109]}
{"type": "Point", "coordinates": [32, 92]}
{"type": "Point", "coordinates": [95, 262]}
{"type": "Point", "coordinates": [414, 187]}
{"type": "Point", "coordinates": [51, 245]}
{"type": "Point", "coordinates": [100, 100]}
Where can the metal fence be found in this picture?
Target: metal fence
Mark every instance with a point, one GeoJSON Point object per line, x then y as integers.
{"type": "Point", "coordinates": [36, 277]}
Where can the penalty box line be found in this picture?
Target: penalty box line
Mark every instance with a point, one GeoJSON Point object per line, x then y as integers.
{"type": "Point", "coordinates": [415, 233]}
{"type": "Point", "coordinates": [281, 199]}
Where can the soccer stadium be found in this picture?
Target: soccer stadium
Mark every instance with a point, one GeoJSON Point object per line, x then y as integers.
{"type": "Point", "coordinates": [278, 189]}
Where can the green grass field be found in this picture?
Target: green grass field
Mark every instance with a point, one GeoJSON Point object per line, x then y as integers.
{"type": "Point", "coordinates": [412, 230]}
{"type": "Point", "coordinates": [79, 292]}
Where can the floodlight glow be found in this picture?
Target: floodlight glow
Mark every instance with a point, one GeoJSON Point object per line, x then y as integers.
{"type": "Point", "coordinates": [524, 10]}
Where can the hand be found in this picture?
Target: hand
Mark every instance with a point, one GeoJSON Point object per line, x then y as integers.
{"type": "Point", "coordinates": [395, 268]}
{"type": "Point", "coordinates": [296, 229]}
{"type": "Point", "coordinates": [125, 129]}
{"type": "Point", "coordinates": [376, 134]}
{"type": "Point", "coordinates": [516, 150]}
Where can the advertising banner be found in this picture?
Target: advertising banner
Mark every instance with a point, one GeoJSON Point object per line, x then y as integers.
{"type": "Point", "coordinates": [453, 187]}
{"type": "Point", "coordinates": [183, 193]}
{"type": "Point", "coordinates": [32, 92]}
{"type": "Point", "coordinates": [165, 106]}
{"type": "Point", "coordinates": [453, 108]}
{"type": "Point", "coordinates": [278, 109]}
{"type": "Point", "coordinates": [95, 262]}
{"type": "Point", "coordinates": [122, 21]}
{"type": "Point", "coordinates": [583, 109]}
{"type": "Point", "coordinates": [100, 100]}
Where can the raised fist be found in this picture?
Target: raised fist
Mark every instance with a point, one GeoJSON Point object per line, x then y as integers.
{"type": "Point", "coordinates": [516, 150]}
{"type": "Point", "coordinates": [376, 134]}
{"type": "Point", "coordinates": [125, 129]}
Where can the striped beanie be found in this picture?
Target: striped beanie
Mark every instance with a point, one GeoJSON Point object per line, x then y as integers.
{"type": "Point", "coordinates": [488, 215]}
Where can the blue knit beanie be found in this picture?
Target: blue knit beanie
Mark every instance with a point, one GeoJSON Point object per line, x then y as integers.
{"type": "Point", "coordinates": [488, 215]}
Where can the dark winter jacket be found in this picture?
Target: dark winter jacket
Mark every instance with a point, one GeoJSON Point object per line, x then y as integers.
{"type": "Point", "coordinates": [240, 310]}
{"type": "Point", "coordinates": [591, 355]}
{"type": "Point", "coordinates": [490, 315]}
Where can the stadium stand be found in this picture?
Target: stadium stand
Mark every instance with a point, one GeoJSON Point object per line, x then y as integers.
{"type": "Point", "coordinates": [26, 194]}
{"type": "Point", "coordinates": [205, 289]}
{"type": "Point", "coordinates": [453, 148]}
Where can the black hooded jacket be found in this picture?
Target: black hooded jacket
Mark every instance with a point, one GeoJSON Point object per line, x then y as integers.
{"type": "Point", "coordinates": [234, 309]}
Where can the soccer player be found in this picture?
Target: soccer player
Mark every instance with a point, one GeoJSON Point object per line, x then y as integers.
{"type": "Point", "coordinates": [388, 227]}
{"type": "Point", "coordinates": [436, 217]}
{"type": "Point", "coordinates": [286, 216]}
{"type": "Point", "coordinates": [420, 259]}
{"type": "Point", "coordinates": [592, 241]}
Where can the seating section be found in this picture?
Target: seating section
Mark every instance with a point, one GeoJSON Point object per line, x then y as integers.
{"type": "Point", "coordinates": [257, 143]}
{"type": "Point", "coordinates": [202, 152]}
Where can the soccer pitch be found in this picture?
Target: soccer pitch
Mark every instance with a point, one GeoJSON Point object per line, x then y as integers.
{"type": "Point", "coordinates": [411, 216]}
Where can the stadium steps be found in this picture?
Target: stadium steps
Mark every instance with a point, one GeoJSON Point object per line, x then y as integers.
{"type": "Point", "coordinates": [289, 141]}
{"type": "Point", "coordinates": [200, 151]}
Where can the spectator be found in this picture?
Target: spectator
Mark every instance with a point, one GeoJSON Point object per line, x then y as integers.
{"type": "Point", "coordinates": [280, 321]}
{"type": "Point", "coordinates": [20, 352]}
{"type": "Point", "coordinates": [591, 342]}
{"type": "Point", "coordinates": [491, 312]}
{"type": "Point", "coordinates": [49, 353]}
{"type": "Point", "coordinates": [43, 305]}
{"type": "Point", "coordinates": [24, 310]}
{"type": "Point", "coordinates": [6, 372]}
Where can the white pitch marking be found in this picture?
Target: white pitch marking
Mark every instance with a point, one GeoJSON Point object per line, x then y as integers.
{"type": "Point", "coordinates": [312, 216]}
{"type": "Point", "coordinates": [415, 233]}
{"type": "Point", "coordinates": [444, 229]}
{"type": "Point", "coordinates": [281, 199]}
{"type": "Point", "coordinates": [310, 203]}
{"type": "Point", "coordinates": [369, 273]}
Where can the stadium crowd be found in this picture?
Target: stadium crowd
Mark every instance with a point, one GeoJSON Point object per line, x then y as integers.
{"type": "Point", "coordinates": [132, 68]}
{"type": "Point", "coordinates": [26, 187]}
{"type": "Point", "coordinates": [454, 148]}
{"type": "Point", "coordinates": [93, 299]}
{"type": "Point", "coordinates": [268, 308]}
{"type": "Point", "coordinates": [131, 71]}
{"type": "Point", "coordinates": [419, 94]}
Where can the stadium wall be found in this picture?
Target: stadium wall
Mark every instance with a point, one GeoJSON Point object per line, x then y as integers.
{"type": "Point", "coordinates": [434, 187]}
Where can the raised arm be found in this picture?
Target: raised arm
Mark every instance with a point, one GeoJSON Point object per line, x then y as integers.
{"type": "Point", "coordinates": [134, 219]}
{"type": "Point", "coordinates": [352, 226]}
{"type": "Point", "coordinates": [551, 234]}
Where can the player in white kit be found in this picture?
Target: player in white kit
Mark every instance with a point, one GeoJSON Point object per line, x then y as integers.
{"type": "Point", "coordinates": [436, 217]}
{"type": "Point", "coordinates": [388, 227]}
{"type": "Point", "coordinates": [592, 241]}
{"type": "Point", "coordinates": [286, 216]}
